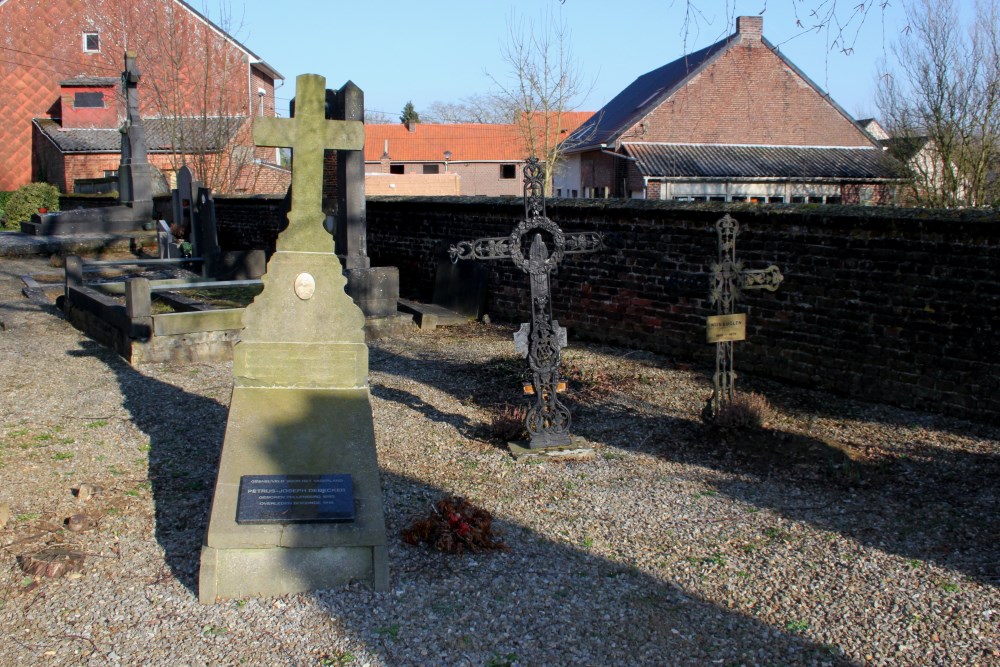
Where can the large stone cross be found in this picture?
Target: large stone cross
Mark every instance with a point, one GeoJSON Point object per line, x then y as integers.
{"type": "Point", "coordinates": [728, 280]}
{"type": "Point", "coordinates": [135, 183]}
{"type": "Point", "coordinates": [305, 221]}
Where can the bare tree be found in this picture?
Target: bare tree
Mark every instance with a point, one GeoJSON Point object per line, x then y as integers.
{"type": "Point", "coordinates": [543, 82]}
{"type": "Point", "coordinates": [195, 82]}
{"type": "Point", "coordinates": [940, 100]}
{"type": "Point", "coordinates": [373, 117]}
{"type": "Point", "coordinates": [475, 108]}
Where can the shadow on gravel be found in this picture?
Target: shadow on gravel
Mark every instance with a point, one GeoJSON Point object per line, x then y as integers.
{"type": "Point", "coordinates": [546, 599]}
{"type": "Point", "coordinates": [936, 504]}
{"type": "Point", "coordinates": [185, 438]}
{"type": "Point", "coordinates": [654, 622]}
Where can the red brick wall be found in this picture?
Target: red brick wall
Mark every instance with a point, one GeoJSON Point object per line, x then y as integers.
{"type": "Point", "coordinates": [748, 95]}
{"type": "Point", "coordinates": [176, 51]}
{"type": "Point", "coordinates": [73, 117]}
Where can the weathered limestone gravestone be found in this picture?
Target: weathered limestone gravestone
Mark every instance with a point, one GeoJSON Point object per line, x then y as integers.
{"type": "Point", "coordinates": [300, 418]}
{"type": "Point", "coordinates": [541, 340]}
{"type": "Point", "coordinates": [135, 180]}
{"type": "Point", "coordinates": [728, 280]}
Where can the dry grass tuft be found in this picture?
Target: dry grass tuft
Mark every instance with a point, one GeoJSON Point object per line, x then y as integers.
{"type": "Point", "coordinates": [745, 411]}
{"type": "Point", "coordinates": [507, 422]}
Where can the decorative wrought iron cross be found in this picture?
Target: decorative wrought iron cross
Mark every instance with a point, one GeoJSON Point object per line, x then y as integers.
{"type": "Point", "coordinates": [728, 280]}
{"type": "Point", "coordinates": [541, 340]}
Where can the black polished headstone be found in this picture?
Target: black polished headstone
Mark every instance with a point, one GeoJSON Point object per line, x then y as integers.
{"type": "Point", "coordinates": [295, 499]}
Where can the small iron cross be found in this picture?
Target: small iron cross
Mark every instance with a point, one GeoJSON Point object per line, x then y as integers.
{"type": "Point", "coordinates": [728, 280]}
{"type": "Point", "coordinates": [541, 340]}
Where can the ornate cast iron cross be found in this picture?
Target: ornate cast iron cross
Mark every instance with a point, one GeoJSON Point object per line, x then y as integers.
{"type": "Point", "coordinates": [541, 340]}
{"type": "Point", "coordinates": [728, 280]}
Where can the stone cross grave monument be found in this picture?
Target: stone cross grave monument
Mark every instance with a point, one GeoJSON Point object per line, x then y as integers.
{"type": "Point", "coordinates": [728, 280]}
{"type": "Point", "coordinates": [135, 175]}
{"type": "Point", "coordinates": [135, 180]}
{"type": "Point", "coordinates": [297, 502]}
{"type": "Point", "coordinates": [541, 340]}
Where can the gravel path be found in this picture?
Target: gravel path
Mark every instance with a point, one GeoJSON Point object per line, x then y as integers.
{"type": "Point", "coordinates": [846, 534]}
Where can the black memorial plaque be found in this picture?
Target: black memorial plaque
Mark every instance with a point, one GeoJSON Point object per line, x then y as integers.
{"type": "Point", "coordinates": [295, 499]}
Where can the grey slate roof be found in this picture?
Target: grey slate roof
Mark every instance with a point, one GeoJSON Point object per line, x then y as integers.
{"type": "Point", "coordinates": [718, 161]}
{"type": "Point", "coordinates": [652, 88]}
{"type": "Point", "coordinates": [162, 135]}
{"type": "Point", "coordinates": [639, 97]}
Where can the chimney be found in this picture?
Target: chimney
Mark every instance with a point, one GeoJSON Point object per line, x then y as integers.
{"type": "Point", "coordinates": [411, 126]}
{"type": "Point", "coordinates": [749, 28]}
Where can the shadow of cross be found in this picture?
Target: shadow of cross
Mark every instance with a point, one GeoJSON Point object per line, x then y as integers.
{"type": "Point", "coordinates": [305, 221]}
{"type": "Point", "coordinates": [541, 340]}
{"type": "Point", "coordinates": [728, 280]}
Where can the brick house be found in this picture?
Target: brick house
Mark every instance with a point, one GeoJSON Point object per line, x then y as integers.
{"type": "Point", "coordinates": [735, 121]}
{"type": "Point", "coordinates": [451, 159]}
{"type": "Point", "coordinates": [60, 68]}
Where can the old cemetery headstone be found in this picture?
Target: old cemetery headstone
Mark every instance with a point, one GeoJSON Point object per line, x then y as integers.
{"type": "Point", "coordinates": [135, 180]}
{"type": "Point", "coordinates": [728, 280]}
{"type": "Point", "coordinates": [541, 340]}
{"type": "Point", "coordinates": [193, 209]}
{"type": "Point", "coordinates": [297, 501]}
{"type": "Point", "coordinates": [374, 288]}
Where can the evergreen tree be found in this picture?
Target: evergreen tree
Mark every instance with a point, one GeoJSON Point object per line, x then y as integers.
{"type": "Point", "coordinates": [410, 114]}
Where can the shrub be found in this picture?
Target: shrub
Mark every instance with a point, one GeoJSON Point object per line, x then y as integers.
{"type": "Point", "coordinates": [745, 411]}
{"type": "Point", "coordinates": [27, 199]}
{"type": "Point", "coordinates": [4, 196]}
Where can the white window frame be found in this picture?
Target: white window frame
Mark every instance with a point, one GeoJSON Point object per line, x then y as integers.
{"type": "Point", "coordinates": [88, 34]}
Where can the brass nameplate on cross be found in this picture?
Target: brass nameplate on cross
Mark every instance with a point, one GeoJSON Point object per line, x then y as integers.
{"type": "Point", "coordinates": [723, 328]}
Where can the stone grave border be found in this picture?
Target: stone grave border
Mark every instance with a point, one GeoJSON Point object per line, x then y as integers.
{"type": "Point", "coordinates": [196, 334]}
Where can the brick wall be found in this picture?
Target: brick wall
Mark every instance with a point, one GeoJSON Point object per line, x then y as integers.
{"type": "Point", "coordinates": [412, 184]}
{"type": "Point", "coordinates": [44, 43]}
{"type": "Point", "coordinates": [748, 95]}
{"type": "Point", "coordinates": [889, 305]}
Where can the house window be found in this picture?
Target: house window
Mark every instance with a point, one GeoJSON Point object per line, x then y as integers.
{"type": "Point", "coordinates": [574, 194]}
{"type": "Point", "coordinates": [110, 173]}
{"type": "Point", "coordinates": [775, 200]}
{"type": "Point", "coordinates": [717, 198]}
{"type": "Point", "coordinates": [558, 192]}
{"type": "Point", "coordinates": [737, 198]}
{"type": "Point", "coordinates": [798, 200]}
{"type": "Point", "coordinates": [815, 200]}
{"type": "Point", "coordinates": [508, 171]}
{"type": "Point", "coordinates": [91, 42]}
{"type": "Point", "coordinates": [432, 168]}
{"type": "Point", "coordinates": [396, 168]}
{"type": "Point", "coordinates": [88, 100]}
{"type": "Point", "coordinates": [867, 195]}
{"type": "Point", "coordinates": [834, 200]}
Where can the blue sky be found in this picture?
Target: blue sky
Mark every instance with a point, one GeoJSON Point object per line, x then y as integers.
{"type": "Point", "coordinates": [443, 50]}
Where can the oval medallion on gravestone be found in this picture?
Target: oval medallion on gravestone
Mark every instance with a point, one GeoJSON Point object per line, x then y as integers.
{"type": "Point", "coordinates": [305, 286]}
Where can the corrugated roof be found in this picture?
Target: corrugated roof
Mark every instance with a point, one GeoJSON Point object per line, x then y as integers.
{"type": "Point", "coordinates": [468, 142]}
{"type": "Point", "coordinates": [162, 135]}
{"type": "Point", "coordinates": [741, 162]}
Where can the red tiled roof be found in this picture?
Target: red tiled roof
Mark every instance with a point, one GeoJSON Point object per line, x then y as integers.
{"type": "Point", "coordinates": [468, 142]}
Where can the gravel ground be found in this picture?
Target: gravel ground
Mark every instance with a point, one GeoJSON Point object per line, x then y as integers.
{"type": "Point", "coordinates": [845, 534]}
